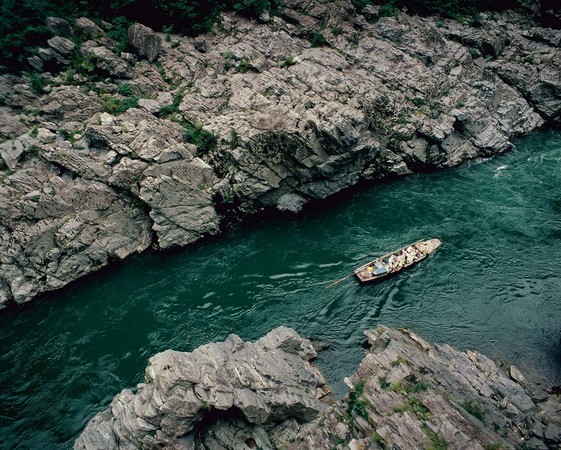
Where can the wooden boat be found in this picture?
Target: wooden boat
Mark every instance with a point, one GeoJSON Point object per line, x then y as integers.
{"type": "Point", "coordinates": [396, 261]}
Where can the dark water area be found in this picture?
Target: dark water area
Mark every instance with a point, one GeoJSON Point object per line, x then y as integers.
{"type": "Point", "coordinates": [494, 285]}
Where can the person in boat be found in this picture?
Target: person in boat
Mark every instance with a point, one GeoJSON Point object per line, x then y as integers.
{"type": "Point", "coordinates": [370, 271]}
{"type": "Point", "coordinates": [392, 262]}
{"type": "Point", "coordinates": [410, 256]}
{"type": "Point", "coordinates": [400, 260]}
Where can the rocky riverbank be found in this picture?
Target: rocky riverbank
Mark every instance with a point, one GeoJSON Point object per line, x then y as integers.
{"type": "Point", "coordinates": [407, 394]}
{"type": "Point", "coordinates": [172, 140]}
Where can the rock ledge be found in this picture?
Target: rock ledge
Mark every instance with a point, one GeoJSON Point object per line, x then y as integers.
{"type": "Point", "coordinates": [406, 394]}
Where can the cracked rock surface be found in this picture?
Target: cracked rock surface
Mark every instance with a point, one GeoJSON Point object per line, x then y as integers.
{"type": "Point", "coordinates": [406, 394]}
{"type": "Point", "coordinates": [248, 117]}
{"type": "Point", "coordinates": [236, 390]}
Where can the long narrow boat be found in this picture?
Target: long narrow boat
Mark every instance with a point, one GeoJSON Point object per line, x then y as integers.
{"type": "Point", "coordinates": [396, 261]}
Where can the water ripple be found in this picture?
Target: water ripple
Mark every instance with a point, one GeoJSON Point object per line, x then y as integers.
{"type": "Point", "coordinates": [494, 286]}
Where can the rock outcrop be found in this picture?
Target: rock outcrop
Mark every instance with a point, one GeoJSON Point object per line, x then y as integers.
{"type": "Point", "coordinates": [410, 394]}
{"type": "Point", "coordinates": [237, 391]}
{"type": "Point", "coordinates": [257, 115]}
{"type": "Point", "coordinates": [406, 394]}
{"type": "Point", "coordinates": [145, 41]}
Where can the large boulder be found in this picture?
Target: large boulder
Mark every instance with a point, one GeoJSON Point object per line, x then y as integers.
{"type": "Point", "coordinates": [56, 228]}
{"type": "Point", "coordinates": [89, 29]}
{"type": "Point", "coordinates": [255, 386]}
{"type": "Point", "coordinates": [145, 41]}
{"type": "Point", "coordinates": [58, 27]}
{"type": "Point", "coordinates": [105, 60]}
{"type": "Point", "coordinates": [407, 393]}
{"type": "Point", "coordinates": [62, 45]}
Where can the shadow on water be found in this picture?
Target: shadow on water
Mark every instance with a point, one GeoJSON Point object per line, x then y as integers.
{"type": "Point", "coordinates": [493, 286]}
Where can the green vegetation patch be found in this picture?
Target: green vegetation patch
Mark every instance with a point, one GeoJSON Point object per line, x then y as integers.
{"type": "Point", "coordinates": [436, 442]}
{"type": "Point", "coordinates": [116, 105]}
{"type": "Point", "coordinates": [205, 141]}
{"type": "Point", "coordinates": [415, 406]}
{"type": "Point", "coordinates": [463, 10]}
{"type": "Point", "coordinates": [356, 401]}
{"type": "Point", "coordinates": [409, 388]}
{"type": "Point", "coordinates": [474, 408]}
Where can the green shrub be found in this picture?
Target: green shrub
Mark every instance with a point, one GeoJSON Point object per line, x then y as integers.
{"type": "Point", "coordinates": [420, 386]}
{"type": "Point", "coordinates": [119, 33]}
{"type": "Point", "coordinates": [388, 10]}
{"type": "Point", "coordinates": [205, 141]}
{"type": "Point", "coordinates": [167, 29]}
{"type": "Point", "coordinates": [125, 89]}
{"type": "Point", "coordinates": [37, 83]}
{"type": "Point", "coordinates": [114, 105]}
{"type": "Point", "coordinates": [436, 442]}
{"type": "Point", "coordinates": [384, 383]}
{"type": "Point", "coordinates": [318, 40]}
{"type": "Point", "coordinates": [360, 4]}
{"type": "Point", "coordinates": [474, 408]}
{"type": "Point", "coordinates": [251, 7]}
{"type": "Point", "coordinates": [288, 61]}
{"type": "Point", "coordinates": [168, 111]}
{"type": "Point", "coordinates": [416, 406]}
{"type": "Point", "coordinates": [356, 402]}
{"type": "Point", "coordinates": [234, 140]}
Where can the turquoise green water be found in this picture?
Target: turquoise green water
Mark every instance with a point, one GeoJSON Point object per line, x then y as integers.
{"type": "Point", "coordinates": [494, 286]}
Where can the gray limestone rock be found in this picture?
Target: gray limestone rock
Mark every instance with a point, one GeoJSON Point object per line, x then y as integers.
{"type": "Point", "coordinates": [89, 29]}
{"type": "Point", "coordinates": [146, 42]}
{"type": "Point", "coordinates": [405, 394]}
{"type": "Point", "coordinates": [11, 152]}
{"type": "Point", "coordinates": [290, 202]}
{"type": "Point", "coordinates": [258, 385]}
{"type": "Point", "coordinates": [62, 45]}
{"type": "Point", "coordinates": [106, 60]}
{"type": "Point", "coordinates": [36, 63]}
{"type": "Point", "coordinates": [58, 27]}
{"type": "Point", "coordinates": [62, 228]}
{"type": "Point", "coordinates": [181, 208]}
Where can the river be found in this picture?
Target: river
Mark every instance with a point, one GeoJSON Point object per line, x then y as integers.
{"type": "Point", "coordinates": [494, 286]}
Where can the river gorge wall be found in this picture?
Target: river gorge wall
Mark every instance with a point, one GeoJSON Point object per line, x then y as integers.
{"type": "Point", "coordinates": [406, 394]}
{"type": "Point", "coordinates": [257, 114]}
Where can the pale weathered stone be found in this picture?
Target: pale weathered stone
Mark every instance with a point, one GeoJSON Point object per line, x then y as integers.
{"type": "Point", "coordinates": [146, 42]}
{"type": "Point", "coordinates": [266, 382]}
{"type": "Point", "coordinates": [61, 45]}
{"type": "Point", "coordinates": [58, 27]}
{"type": "Point", "coordinates": [88, 28]}
{"type": "Point", "coordinates": [408, 394]}
{"type": "Point", "coordinates": [106, 60]}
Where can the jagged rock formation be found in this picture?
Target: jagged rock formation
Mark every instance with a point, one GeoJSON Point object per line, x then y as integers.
{"type": "Point", "coordinates": [274, 121]}
{"type": "Point", "coordinates": [410, 394]}
{"type": "Point", "coordinates": [145, 41]}
{"type": "Point", "coordinates": [218, 388]}
{"type": "Point", "coordinates": [406, 394]}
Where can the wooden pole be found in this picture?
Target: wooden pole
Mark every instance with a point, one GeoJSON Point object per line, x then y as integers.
{"type": "Point", "coordinates": [338, 281]}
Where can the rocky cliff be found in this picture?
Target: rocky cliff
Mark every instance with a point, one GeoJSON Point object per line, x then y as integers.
{"type": "Point", "coordinates": [108, 152]}
{"type": "Point", "coordinates": [406, 394]}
